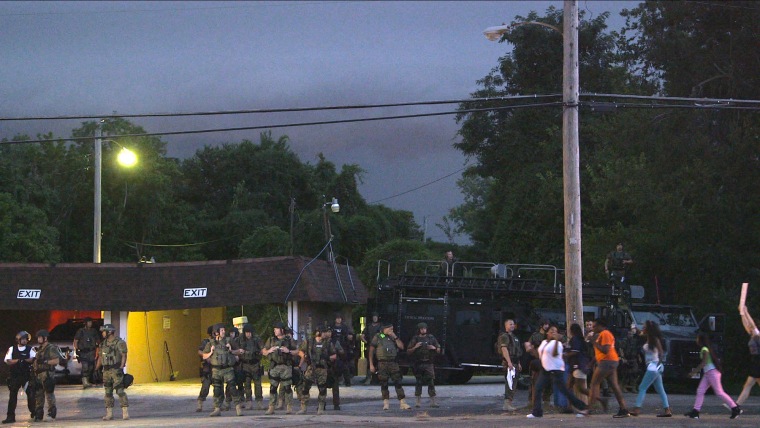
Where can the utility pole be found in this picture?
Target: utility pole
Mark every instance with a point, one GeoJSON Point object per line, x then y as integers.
{"type": "Point", "coordinates": [571, 166]}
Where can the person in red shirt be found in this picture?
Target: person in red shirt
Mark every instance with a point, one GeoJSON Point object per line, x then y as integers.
{"type": "Point", "coordinates": [607, 361]}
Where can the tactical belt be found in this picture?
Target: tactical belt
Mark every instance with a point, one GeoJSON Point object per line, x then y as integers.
{"type": "Point", "coordinates": [111, 367]}
{"type": "Point", "coordinates": [222, 366]}
{"type": "Point", "coordinates": [251, 361]}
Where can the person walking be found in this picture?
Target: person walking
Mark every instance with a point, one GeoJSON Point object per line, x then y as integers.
{"type": "Point", "coordinates": [222, 355]}
{"type": "Point", "coordinates": [710, 367]}
{"type": "Point", "coordinates": [86, 342]}
{"type": "Point", "coordinates": [251, 345]}
{"type": "Point", "coordinates": [205, 369]}
{"type": "Point", "coordinates": [579, 363]}
{"type": "Point", "coordinates": [422, 348]}
{"type": "Point", "coordinates": [20, 358]}
{"type": "Point", "coordinates": [511, 351]}
{"type": "Point", "coordinates": [317, 352]}
{"type": "Point", "coordinates": [47, 357]}
{"type": "Point", "coordinates": [754, 353]}
{"type": "Point", "coordinates": [386, 345]}
{"type": "Point", "coordinates": [607, 361]}
{"type": "Point", "coordinates": [553, 370]}
{"type": "Point", "coordinates": [113, 358]}
{"type": "Point", "coordinates": [280, 349]}
{"type": "Point", "coordinates": [653, 354]}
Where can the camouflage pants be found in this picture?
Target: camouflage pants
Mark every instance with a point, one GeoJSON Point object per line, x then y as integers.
{"type": "Point", "coordinates": [205, 386]}
{"type": "Point", "coordinates": [44, 390]}
{"type": "Point", "coordinates": [221, 378]}
{"type": "Point", "coordinates": [113, 380]}
{"type": "Point", "coordinates": [280, 377]}
{"type": "Point", "coordinates": [389, 370]}
{"type": "Point", "coordinates": [424, 374]}
{"type": "Point", "coordinates": [252, 374]}
{"type": "Point", "coordinates": [318, 376]}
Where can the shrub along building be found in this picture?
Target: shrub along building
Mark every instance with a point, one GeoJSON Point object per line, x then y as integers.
{"type": "Point", "coordinates": [162, 309]}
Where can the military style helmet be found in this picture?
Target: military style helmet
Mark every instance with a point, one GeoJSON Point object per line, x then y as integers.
{"type": "Point", "coordinates": [108, 327]}
{"type": "Point", "coordinates": [247, 328]}
{"type": "Point", "coordinates": [235, 330]}
{"type": "Point", "coordinates": [219, 326]}
{"type": "Point", "coordinates": [386, 325]}
{"type": "Point", "coordinates": [23, 334]}
{"type": "Point", "coordinates": [279, 325]}
{"type": "Point", "coordinates": [319, 329]}
{"type": "Point", "coordinates": [87, 319]}
{"type": "Point", "coordinates": [42, 333]}
{"type": "Point", "coordinates": [210, 330]}
{"type": "Point", "coordinates": [421, 325]}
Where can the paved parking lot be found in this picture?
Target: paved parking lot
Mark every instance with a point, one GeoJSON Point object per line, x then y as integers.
{"type": "Point", "coordinates": [477, 404]}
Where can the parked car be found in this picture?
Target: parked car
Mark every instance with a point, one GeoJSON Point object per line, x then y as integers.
{"type": "Point", "coordinates": [62, 335]}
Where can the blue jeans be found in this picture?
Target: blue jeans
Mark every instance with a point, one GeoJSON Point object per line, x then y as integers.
{"type": "Point", "coordinates": [557, 378]}
{"type": "Point", "coordinates": [651, 377]}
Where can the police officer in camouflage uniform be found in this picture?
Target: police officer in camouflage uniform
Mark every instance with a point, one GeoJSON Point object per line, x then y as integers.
{"type": "Point", "coordinates": [86, 342]}
{"type": "Point", "coordinates": [511, 352]}
{"type": "Point", "coordinates": [422, 348]}
{"type": "Point", "coordinates": [234, 335]}
{"type": "Point", "coordinates": [317, 353]}
{"type": "Point", "coordinates": [280, 349]}
{"type": "Point", "coordinates": [113, 358]}
{"type": "Point", "coordinates": [386, 346]}
{"type": "Point", "coordinates": [205, 370]}
{"type": "Point", "coordinates": [221, 354]}
{"type": "Point", "coordinates": [369, 332]}
{"type": "Point", "coordinates": [251, 345]}
{"type": "Point", "coordinates": [47, 357]}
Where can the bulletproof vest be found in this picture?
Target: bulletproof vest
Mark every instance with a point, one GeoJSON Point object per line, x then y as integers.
{"type": "Point", "coordinates": [22, 369]}
{"type": "Point", "coordinates": [319, 352]}
{"type": "Point", "coordinates": [386, 347]}
{"type": "Point", "coordinates": [252, 348]}
{"type": "Point", "coordinates": [339, 333]}
{"type": "Point", "coordinates": [513, 345]}
{"type": "Point", "coordinates": [221, 355]}
{"type": "Point", "coordinates": [110, 354]}
{"type": "Point", "coordinates": [88, 338]}
{"type": "Point", "coordinates": [278, 357]}
{"type": "Point", "coordinates": [423, 353]}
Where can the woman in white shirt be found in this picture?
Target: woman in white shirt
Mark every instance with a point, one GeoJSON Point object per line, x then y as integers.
{"type": "Point", "coordinates": [653, 355]}
{"type": "Point", "coordinates": [553, 371]}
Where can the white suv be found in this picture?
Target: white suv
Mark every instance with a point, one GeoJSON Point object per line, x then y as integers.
{"type": "Point", "coordinates": [62, 336]}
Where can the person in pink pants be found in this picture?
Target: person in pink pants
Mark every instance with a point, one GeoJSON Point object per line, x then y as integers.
{"type": "Point", "coordinates": [710, 379]}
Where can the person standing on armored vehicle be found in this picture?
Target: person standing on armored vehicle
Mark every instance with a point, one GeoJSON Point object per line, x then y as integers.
{"type": "Point", "coordinates": [46, 358]}
{"type": "Point", "coordinates": [317, 352]}
{"type": "Point", "coordinates": [251, 345]}
{"type": "Point", "coordinates": [19, 358]}
{"type": "Point", "coordinates": [511, 351]}
{"type": "Point", "coordinates": [221, 354]}
{"type": "Point", "coordinates": [113, 358]}
{"type": "Point", "coordinates": [86, 341]}
{"type": "Point", "coordinates": [280, 349]}
{"type": "Point", "coordinates": [386, 346]}
{"type": "Point", "coordinates": [616, 264]}
{"type": "Point", "coordinates": [422, 348]}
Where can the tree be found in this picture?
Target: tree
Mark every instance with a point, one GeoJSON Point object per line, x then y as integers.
{"type": "Point", "coordinates": [25, 235]}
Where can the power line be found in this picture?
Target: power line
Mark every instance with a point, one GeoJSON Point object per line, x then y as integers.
{"type": "Point", "coordinates": [421, 186]}
{"type": "Point", "coordinates": [287, 125]}
{"type": "Point", "coordinates": [279, 110]}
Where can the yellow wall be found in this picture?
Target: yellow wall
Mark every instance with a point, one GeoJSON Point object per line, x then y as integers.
{"type": "Point", "coordinates": [182, 330]}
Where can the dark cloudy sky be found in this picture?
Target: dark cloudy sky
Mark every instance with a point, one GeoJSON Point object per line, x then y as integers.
{"type": "Point", "coordinates": [96, 58]}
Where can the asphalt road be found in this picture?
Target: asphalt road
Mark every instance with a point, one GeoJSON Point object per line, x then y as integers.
{"type": "Point", "coordinates": [477, 404]}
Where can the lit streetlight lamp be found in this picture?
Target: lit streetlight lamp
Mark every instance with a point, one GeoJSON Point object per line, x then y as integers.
{"type": "Point", "coordinates": [570, 154]}
{"type": "Point", "coordinates": [334, 207]}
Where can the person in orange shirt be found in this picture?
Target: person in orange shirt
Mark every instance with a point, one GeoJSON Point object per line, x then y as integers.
{"type": "Point", "coordinates": [607, 361]}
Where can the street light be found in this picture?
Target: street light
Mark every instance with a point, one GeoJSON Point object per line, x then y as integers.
{"type": "Point", "coordinates": [334, 207]}
{"type": "Point", "coordinates": [570, 156]}
{"type": "Point", "coordinates": [126, 158]}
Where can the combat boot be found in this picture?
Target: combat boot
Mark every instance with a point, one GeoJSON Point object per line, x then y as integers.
{"type": "Point", "coordinates": [270, 410]}
{"type": "Point", "coordinates": [226, 406]}
{"type": "Point", "coordinates": [417, 401]}
{"type": "Point", "coordinates": [239, 409]}
{"type": "Point", "coordinates": [125, 413]}
{"type": "Point", "coordinates": [108, 416]}
{"type": "Point", "coordinates": [259, 405]}
{"type": "Point", "coordinates": [288, 404]}
{"type": "Point", "coordinates": [508, 407]}
{"type": "Point", "coordinates": [85, 383]}
{"type": "Point", "coordinates": [248, 404]}
{"type": "Point", "coordinates": [280, 403]}
{"type": "Point", "coordinates": [217, 412]}
{"type": "Point", "coordinates": [433, 403]}
{"type": "Point", "coordinates": [200, 406]}
{"type": "Point", "coordinates": [303, 408]}
{"type": "Point", "coordinates": [386, 404]}
{"type": "Point", "coordinates": [402, 405]}
{"type": "Point", "coordinates": [321, 408]}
